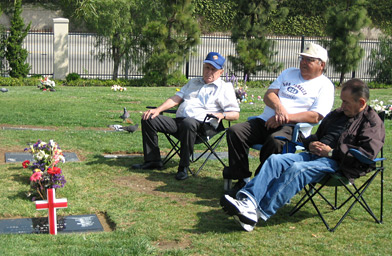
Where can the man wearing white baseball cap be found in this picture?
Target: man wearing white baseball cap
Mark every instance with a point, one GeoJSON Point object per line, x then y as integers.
{"type": "Point", "coordinates": [298, 95]}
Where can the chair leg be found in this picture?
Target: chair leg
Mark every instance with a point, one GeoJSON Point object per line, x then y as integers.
{"type": "Point", "coordinates": [227, 184]}
{"type": "Point", "coordinates": [211, 151]}
{"type": "Point", "coordinates": [175, 149]}
{"type": "Point", "coordinates": [355, 194]}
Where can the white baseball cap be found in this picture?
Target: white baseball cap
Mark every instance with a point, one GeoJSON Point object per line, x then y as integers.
{"type": "Point", "coordinates": [315, 51]}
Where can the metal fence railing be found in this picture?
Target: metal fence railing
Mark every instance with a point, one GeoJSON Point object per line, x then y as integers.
{"type": "Point", "coordinates": [83, 56]}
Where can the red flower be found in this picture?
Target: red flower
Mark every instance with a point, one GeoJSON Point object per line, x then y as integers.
{"type": "Point", "coordinates": [26, 163]}
{"type": "Point", "coordinates": [54, 170]}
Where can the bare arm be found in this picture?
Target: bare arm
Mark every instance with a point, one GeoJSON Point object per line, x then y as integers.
{"type": "Point", "coordinates": [230, 116]}
{"type": "Point", "coordinates": [169, 103]}
{"type": "Point", "coordinates": [281, 117]}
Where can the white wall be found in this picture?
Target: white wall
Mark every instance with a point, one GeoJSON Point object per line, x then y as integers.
{"type": "Point", "coordinates": [41, 19]}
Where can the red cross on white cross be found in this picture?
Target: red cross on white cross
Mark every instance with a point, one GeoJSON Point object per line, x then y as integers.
{"type": "Point", "coordinates": [51, 204]}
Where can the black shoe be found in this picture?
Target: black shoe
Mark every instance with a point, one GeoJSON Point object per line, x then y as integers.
{"type": "Point", "coordinates": [182, 173]}
{"type": "Point", "coordinates": [148, 165]}
{"type": "Point", "coordinates": [237, 187]}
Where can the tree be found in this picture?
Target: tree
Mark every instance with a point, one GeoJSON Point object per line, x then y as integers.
{"type": "Point", "coordinates": [381, 62]}
{"type": "Point", "coordinates": [249, 31]}
{"type": "Point", "coordinates": [3, 41]}
{"type": "Point", "coordinates": [169, 39]}
{"type": "Point", "coordinates": [344, 22]}
{"type": "Point", "coordinates": [15, 54]}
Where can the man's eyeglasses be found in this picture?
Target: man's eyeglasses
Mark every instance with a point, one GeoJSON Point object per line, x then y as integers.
{"type": "Point", "coordinates": [307, 59]}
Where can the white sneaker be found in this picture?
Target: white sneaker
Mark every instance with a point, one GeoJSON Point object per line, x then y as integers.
{"type": "Point", "coordinates": [244, 209]}
{"type": "Point", "coordinates": [245, 226]}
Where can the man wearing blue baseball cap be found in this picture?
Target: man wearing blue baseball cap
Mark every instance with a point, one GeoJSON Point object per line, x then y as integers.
{"type": "Point", "coordinates": [199, 97]}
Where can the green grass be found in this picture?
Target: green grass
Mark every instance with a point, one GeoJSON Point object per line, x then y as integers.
{"type": "Point", "coordinates": [153, 214]}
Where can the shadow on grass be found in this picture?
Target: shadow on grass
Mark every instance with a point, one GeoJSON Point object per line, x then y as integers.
{"type": "Point", "coordinates": [208, 191]}
{"type": "Point", "coordinates": [217, 221]}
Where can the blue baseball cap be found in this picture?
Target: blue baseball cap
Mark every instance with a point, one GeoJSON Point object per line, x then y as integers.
{"type": "Point", "coordinates": [215, 59]}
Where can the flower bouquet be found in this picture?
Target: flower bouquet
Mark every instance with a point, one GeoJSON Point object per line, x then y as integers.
{"type": "Point", "coordinates": [47, 84]}
{"type": "Point", "coordinates": [118, 88]}
{"type": "Point", "coordinates": [378, 106]}
{"type": "Point", "coordinates": [46, 174]}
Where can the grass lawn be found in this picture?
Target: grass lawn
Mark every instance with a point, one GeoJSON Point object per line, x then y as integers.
{"type": "Point", "coordinates": [149, 211]}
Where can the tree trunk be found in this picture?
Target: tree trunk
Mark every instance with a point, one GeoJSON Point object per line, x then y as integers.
{"type": "Point", "coordinates": [341, 78]}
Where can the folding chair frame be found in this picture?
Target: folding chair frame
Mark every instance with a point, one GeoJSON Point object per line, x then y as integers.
{"type": "Point", "coordinates": [210, 148]}
{"type": "Point", "coordinates": [357, 194]}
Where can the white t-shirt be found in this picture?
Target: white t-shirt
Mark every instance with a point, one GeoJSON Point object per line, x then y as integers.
{"type": "Point", "coordinates": [300, 95]}
{"type": "Point", "coordinates": [200, 99]}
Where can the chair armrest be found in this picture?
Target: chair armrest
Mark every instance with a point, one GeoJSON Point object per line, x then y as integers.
{"type": "Point", "coordinates": [297, 128]}
{"type": "Point", "coordinates": [363, 158]}
{"type": "Point", "coordinates": [296, 143]}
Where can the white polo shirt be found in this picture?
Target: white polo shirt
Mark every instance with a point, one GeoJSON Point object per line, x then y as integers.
{"type": "Point", "coordinates": [200, 99]}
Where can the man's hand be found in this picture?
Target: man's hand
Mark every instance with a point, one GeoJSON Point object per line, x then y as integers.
{"type": "Point", "coordinates": [150, 113]}
{"type": "Point", "coordinates": [281, 116]}
{"type": "Point", "coordinates": [272, 123]}
{"type": "Point", "coordinates": [319, 148]}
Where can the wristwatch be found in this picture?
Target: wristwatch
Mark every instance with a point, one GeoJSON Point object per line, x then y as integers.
{"type": "Point", "coordinates": [330, 153]}
{"type": "Point", "coordinates": [224, 115]}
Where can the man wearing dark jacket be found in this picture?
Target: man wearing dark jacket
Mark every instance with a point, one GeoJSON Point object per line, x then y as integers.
{"type": "Point", "coordinates": [354, 125]}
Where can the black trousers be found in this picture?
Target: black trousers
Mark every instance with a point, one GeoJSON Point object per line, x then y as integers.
{"type": "Point", "coordinates": [241, 136]}
{"type": "Point", "coordinates": [184, 129]}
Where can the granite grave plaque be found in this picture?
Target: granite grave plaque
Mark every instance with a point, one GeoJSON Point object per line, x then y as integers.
{"type": "Point", "coordinates": [13, 157]}
{"type": "Point", "coordinates": [67, 224]}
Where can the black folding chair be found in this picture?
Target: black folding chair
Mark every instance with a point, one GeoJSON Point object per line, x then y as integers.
{"type": "Point", "coordinates": [210, 143]}
{"type": "Point", "coordinates": [355, 194]}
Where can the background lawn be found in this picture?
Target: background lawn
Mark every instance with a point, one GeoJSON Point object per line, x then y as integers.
{"type": "Point", "coordinates": [149, 211]}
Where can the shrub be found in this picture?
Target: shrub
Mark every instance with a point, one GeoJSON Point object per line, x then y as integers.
{"type": "Point", "coordinates": [381, 62]}
{"type": "Point", "coordinates": [72, 77]}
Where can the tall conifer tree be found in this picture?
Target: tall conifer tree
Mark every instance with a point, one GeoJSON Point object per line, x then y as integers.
{"type": "Point", "coordinates": [344, 22]}
{"type": "Point", "coordinates": [254, 50]}
{"type": "Point", "coordinates": [15, 54]}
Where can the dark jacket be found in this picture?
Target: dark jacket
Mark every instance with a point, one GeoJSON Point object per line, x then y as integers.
{"type": "Point", "coordinates": [365, 132]}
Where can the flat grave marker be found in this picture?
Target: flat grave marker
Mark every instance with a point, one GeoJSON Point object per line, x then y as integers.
{"type": "Point", "coordinates": [14, 157]}
{"type": "Point", "coordinates": [67, 224]}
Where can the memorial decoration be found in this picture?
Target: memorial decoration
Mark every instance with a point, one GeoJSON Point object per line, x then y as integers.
{"type": "Point", "coordinates": [118, 88]}
{"type": "Point", "coordinates": [46, 84]}
{"type": "Point", "coordinates": [51, 204]}
{"type": "Point", "coordinates": [241, 90]}
{"type": "Point", "coordinates": [46, 173]}
{"type": "Point", "coordinates": [379, 106]}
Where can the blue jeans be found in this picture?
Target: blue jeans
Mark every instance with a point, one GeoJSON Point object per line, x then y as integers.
{"type": "Point", "coordinates": [282, 176]}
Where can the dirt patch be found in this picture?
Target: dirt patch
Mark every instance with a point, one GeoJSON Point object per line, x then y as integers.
{"type": "Point", "coordinates": [167, 245]}
{"type": "Point", "coordinates": [143, 185]}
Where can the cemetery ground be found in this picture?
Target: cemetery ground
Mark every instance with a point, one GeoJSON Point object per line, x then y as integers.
{"type": "Point", "coordinates": [148, 212]}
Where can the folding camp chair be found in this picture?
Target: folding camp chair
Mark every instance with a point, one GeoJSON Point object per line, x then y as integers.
{"type": "Point", "coordinates": [355, 193]}
{"type": "Point", "coordinates": [288, 147]}
{"type": "Point", "coordinates": [210, 143]}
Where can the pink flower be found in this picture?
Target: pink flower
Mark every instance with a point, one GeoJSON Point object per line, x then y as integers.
{"type": "Point", "coordinates": [26, 163]}
{"type": "Point", "coordinates": [36, 176]}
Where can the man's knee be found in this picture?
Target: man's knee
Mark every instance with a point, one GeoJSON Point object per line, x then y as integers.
{"type": "Point", "coordinates": [234, 131]}
{"type": "Point", "coordinates": [189, 124]}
